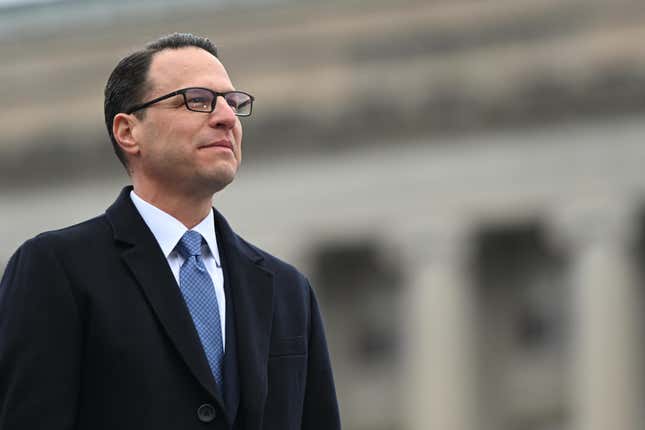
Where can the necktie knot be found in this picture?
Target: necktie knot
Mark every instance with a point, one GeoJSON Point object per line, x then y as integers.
{"type": "Point", "coordinates": [190, 244]}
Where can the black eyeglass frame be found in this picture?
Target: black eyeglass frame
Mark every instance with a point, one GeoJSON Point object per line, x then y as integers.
{"type": "Point", "coordinates": [183, 93]}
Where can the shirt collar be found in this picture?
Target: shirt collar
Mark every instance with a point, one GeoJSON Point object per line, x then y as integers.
{"type": "Point", "coordinates": [168, 230]}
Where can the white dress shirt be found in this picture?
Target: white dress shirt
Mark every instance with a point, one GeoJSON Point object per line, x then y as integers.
{"type": "Point", "coordinates": [168, 231]}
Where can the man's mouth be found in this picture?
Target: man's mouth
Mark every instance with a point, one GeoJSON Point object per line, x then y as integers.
{"type": "Point", "coordinates": [223, 143]}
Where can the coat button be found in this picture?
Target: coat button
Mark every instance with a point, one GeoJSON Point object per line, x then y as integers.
{"type": "Point", "coordinates": [206, 413]}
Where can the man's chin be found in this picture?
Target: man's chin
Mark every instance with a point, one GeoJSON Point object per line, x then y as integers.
{"type": "Point", "coordinates": [219, 180]}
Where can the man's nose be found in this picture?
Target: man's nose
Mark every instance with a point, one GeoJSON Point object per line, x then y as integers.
{"type": "Point", "coordinates": [223, 115]}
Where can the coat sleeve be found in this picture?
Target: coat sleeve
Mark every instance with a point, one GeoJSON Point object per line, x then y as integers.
{"type": "Point", "coordinates": [40, 342]}
{"type": "Point", "coordinates": [320, 411]}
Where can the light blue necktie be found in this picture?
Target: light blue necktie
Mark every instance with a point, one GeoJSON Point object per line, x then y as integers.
{"type": "Point", "coordinates": [197, 288]}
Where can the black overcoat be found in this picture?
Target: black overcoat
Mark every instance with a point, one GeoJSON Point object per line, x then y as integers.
{"type": "Point", "coordinates": [95, 335]}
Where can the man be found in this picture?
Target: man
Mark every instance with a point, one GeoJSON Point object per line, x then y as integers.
{"type": "Point", "coordinates": [156, 315]}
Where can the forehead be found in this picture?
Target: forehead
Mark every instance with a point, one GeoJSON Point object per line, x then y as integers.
{"type": "Point", "coordinates": [172, 69]}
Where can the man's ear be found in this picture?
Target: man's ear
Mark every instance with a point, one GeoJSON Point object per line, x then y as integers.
{"type": "Point", "coordinates": [123, 131]}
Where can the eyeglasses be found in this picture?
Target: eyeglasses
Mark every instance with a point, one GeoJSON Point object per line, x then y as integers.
{"type": "Point", "coordinates": [204, 100]}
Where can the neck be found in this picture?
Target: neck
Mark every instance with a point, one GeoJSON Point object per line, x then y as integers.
{"type": "Point", "coordinates": [189, 209]}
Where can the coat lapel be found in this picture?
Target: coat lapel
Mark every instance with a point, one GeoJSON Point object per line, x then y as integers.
{"type": "Point", "coordinates": [252, 294]}
{"type": "Point", "coordinates": [149, 267]}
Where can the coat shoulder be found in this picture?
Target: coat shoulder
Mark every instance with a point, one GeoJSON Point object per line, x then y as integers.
{"type": "Point", "coordinates": [84, 232]}
{"type": "Point", "coordinates": [273, 263]}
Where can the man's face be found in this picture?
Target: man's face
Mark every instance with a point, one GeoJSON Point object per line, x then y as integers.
{"type": "Point", "coordinates": [182, 149]}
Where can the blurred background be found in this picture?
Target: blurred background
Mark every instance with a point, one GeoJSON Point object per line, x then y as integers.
{"type": "Point", "coordinates": [461, 180]}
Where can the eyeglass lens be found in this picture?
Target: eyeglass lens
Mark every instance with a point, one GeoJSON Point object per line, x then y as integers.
{"type": "Point", "coordinates": [201, 100]}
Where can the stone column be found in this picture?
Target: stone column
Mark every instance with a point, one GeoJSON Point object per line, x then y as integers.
{"type": "Point", "coordinates": [608, 335]}
{"type": "Point", "coordinates": [439, 386]}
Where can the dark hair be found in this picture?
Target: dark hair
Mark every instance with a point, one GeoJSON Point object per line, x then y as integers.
{"type": "Point", "coordinates": [128, 82]}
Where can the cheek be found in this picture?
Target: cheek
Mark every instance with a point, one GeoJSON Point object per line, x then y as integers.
{"type": "Point", "coordinates": [164, 145]}
{"type": "Point", "coordinates": [176, 138]}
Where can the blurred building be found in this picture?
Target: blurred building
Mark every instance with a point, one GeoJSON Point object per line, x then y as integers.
{"type": "Point", "coordinates": [461, 180]}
